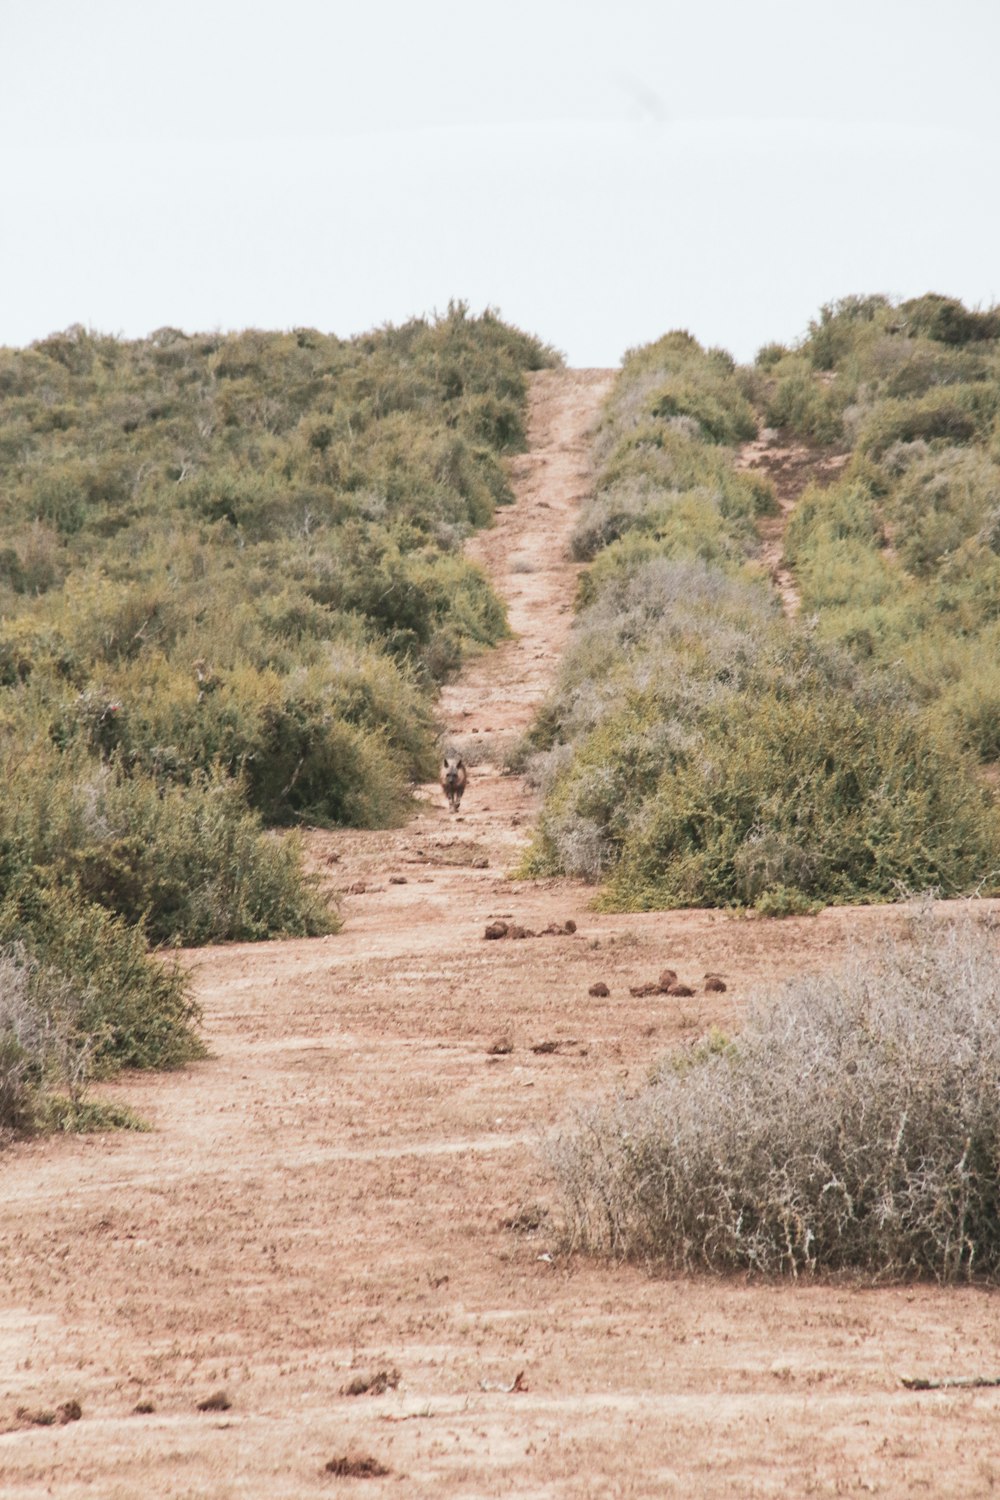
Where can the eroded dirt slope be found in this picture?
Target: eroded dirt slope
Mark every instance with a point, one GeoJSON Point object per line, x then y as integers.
{"type": "Point", "coordinates": [333, 1192]}
{"type": "Point", "coordinates": [791, 466]}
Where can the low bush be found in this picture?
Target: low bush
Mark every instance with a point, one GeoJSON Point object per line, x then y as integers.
{"type": "Point", "coordinates": [825, 795]}
{"type": "Point", "coordinates": [186, 864]}
{"type": "Point", "coordinates": [853, 1125]}
{"type": "Point", "coordinates": [955, 414]}
{"type": "Point", "coordinates": [80, 998]}
{"type": "Point", "coordinates": [798, 401]}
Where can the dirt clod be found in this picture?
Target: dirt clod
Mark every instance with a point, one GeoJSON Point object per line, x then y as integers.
{"type": "Point", "coordinates": [356, 1466]}
{"type": "Point", "coordinates": [218, 1401]}
{"type": "Point", "coordinates": [375, 1384]}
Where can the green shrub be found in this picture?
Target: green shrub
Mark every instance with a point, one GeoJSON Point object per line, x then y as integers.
{"type": "Point", "coordinates": [769, 355]}
{"type": "Point", "coordinates": [820, 794]}
{"type": "Point", "coordinates": [948, 321]}
{"type": "Point", "coordinates": [955, 414]}
{"type": "Point", "coordinates": [184, 863]}
{"type": "Point", "coordinates": [852, 1125]}
{"type": "Point", "coordinates": [92, 1000]}
{"type": "Point", "coordinates": [808, 408]}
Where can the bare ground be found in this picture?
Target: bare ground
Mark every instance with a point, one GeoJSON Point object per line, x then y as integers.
{"type": "Point", "coordinates": [346, 1186]}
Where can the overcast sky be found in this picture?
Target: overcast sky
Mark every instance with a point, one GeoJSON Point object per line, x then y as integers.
{"type": "Point", "coordinates": [600, 171]}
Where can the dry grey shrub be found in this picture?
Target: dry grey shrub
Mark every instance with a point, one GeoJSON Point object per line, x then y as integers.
{"type": "Point", "coordinates": [766, 859]}
{"type": "Point", "coordinates": [582, 845]}
{"type": "Point", "coordinates": [542, 770]}
{"type": "Point", "coordinates": [854, 1125]}
{"type": "Point", "coordinates": [900, 456]}
{"type": "Point", "coordinates": [614, 510]}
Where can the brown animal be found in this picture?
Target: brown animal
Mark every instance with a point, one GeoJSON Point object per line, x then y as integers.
{"type": "Point", "coordinates": [453, 779]}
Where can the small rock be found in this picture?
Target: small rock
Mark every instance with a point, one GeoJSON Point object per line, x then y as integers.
{"type": "Point", "coordinates": [600, 989]}
{"type": "Point", "coordinates": [496, 930]}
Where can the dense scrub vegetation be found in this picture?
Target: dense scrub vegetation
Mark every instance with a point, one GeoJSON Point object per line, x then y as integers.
{"type": "Point", "coordinates": [900, 560]}
{"type": "Point", "coordinates": [854, 1124]}
{"type": "Point", "coordinates": [700, 748]}
{"type": "Point", "coordinates": [230, 581]}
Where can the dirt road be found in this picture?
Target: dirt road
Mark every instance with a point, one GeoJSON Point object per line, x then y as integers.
{"type": "Point", "coordinates": [349, 1185]}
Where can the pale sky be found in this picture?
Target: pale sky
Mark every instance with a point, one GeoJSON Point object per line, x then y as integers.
{"type": "Point", "coordinates": [599, 171]}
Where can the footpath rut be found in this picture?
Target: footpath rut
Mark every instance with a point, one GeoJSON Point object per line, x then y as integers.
{"type": "Point", "coordinates": [348, 1183]}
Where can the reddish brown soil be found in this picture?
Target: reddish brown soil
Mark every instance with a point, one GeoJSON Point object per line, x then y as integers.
{"type": "Point", "coordinates": [329, 1194]}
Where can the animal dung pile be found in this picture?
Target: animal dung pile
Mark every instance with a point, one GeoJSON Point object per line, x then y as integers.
{"type": "Point", "coordinates": [669, 984]}
{"type": "Point", "coordinates": [496, 930]}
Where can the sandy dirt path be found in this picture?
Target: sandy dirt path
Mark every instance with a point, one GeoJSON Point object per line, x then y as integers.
{"type": "Point", "coordinates": [348, 1184]}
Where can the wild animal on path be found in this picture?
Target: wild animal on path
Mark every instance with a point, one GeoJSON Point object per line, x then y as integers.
{"type": "Point", "coordinates": [453, 779]}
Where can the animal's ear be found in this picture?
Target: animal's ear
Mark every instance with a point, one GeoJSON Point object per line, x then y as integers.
{"type": "Point", "coordinates": [460, 764]}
